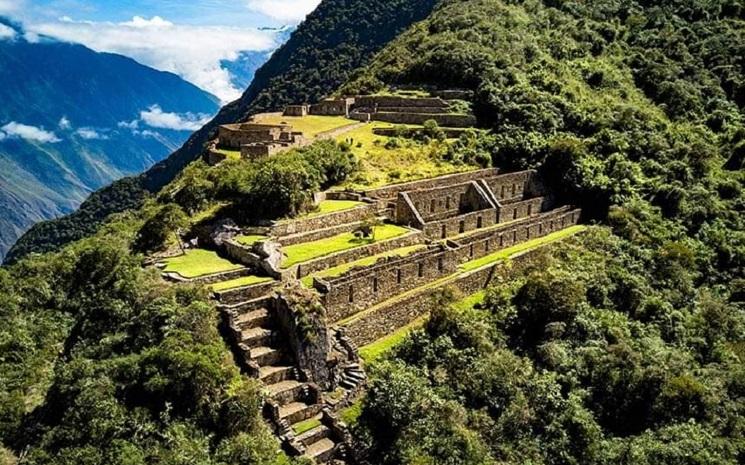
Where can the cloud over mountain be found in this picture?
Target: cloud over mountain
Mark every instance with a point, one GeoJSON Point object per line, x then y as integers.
{"type": "Point", "coordinates": [284, 10]}
{"type": "Point", "coordinates": [193, 52]}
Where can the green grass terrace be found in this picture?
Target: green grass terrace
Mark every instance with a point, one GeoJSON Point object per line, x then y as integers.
{"type": "Point", "coordinates": [367, 261]}
{"type": "Point", "coordinates": [196, 263]}
{"type": "Point", "coordinates": [300, 253]}
{"type": "Point", "coordinates": [333, 206]}
{"type": "Point", "coordinates": [244, 281]}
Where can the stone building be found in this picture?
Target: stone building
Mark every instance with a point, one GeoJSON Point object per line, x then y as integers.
{"type": "Point", "coordinates": [333, 107]}
{"type": "Point", "coordinates": [256, 140]}
{"type": "Point", "coordinates": [296, 110]}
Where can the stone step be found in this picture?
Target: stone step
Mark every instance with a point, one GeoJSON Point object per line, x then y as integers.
{"type": "Point", "coordinates": [254, 319]}
{"type": "Point", "coordinates": [314, 435]}
{"type": "Point", "coordinates": [347, 384]}
{"type": "Point", "coordinates": [255, 337]}
{"type": "Point", "coordinates": [285, 392]}
{"type": "Point", "coordinates": [321, 450]}
{"type": "Point", "coordinates": [272, 374]}
{"type": "Point", "coordinates": [264, 355]}
{"type": "Point", "coordinates": [295, 412]}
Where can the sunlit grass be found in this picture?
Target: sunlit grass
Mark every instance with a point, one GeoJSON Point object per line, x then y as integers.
{"type": "Point", "coordinates": [310, 126]}
{"type": "Point", "coordinates": [306, 425]}
{"type": "Point", "coordinates": [408, 161]}
{"type": "Point", "coordinates": [367, 261]}
{"type": "Point", "coordinates": [250, 240]}
{"type": "Point", "coordinates": [307, 251]}
{"type": "Point", "coordinates": [528, 245]}
{"type": "Point", "coordinates": [374, 351]}
{"type": "Point", "coordinates": [199, 262]}
{"type": "Point", "coordinates": [240, 282]}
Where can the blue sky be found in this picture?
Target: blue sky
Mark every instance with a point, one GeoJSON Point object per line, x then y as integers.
{"type": "Point", "coordinates": [189, 38]}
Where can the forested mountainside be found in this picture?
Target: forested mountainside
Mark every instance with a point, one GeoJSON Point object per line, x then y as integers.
{"type": "Point", "coordinates": [338, 37]}
{"type": "Point", "coordinates": [624, 346]}
{"type": "Point", "coordinates": [71, 122]}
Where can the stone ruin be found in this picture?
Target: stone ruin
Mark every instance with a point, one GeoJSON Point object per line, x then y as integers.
{"type": "Point", "coordinates": [296, 110]}
{"type": "Point", "coordinates": [256, 140]}
{"type": "Point", "coordinates": [394, 109]}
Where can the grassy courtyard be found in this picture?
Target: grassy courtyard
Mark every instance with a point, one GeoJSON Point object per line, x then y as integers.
{"type": "Point", "coordinates": [198, 262]}
{"type": "Point", "coordinates": [307, 251]}
{"type": "Point", "coordinates": [250, 240]}
{"type": "Point", "coordinates": [311, 125]}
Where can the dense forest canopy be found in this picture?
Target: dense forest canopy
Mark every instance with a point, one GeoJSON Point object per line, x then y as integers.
{"type": "Point", "coordinates": [627, 346]}
{"type": "Point", "coordinates": [624, 346]}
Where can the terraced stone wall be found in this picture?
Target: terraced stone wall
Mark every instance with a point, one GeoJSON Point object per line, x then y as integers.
{"type": "Point", "coordinates": [340, 258]}
{"type": "Point", "coordinates": [443, 119]}
{"type": "Point", "coordinates": [315, 223]}
{"type": "Point", "coordinates": [445, 202]}
{"type": "Point", "coordinates": [362, 288]}
{"type": "Point", "coordinates": [461, 224]}
{"type": "Point", "coordinates": [390, 192]}
{"type": "Point", "coordinates": [515, 185]}
{"type": "Point", "coordinates": [522, 209]}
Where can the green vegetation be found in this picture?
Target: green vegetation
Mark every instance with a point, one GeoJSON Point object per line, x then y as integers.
{"type": "Point", "coordinates": [311, 126]}
{"type": "Point", "coordinates": [319, 56]}
{"type": "Point", "coordinates": [240, 282]}
{"type": "Point", "coordinates": [250, 240]}
{"type": "Point", "coordinates": [367, 261]}
{"type": "Point", "coordinates": [307, 251]}
{"type": "Point", "coordinates": [374, 351]}
{"type": "Point", "coordinates": [198, 262]}
{"type": "Point", "coordinates": [350, 414]}
{"type": "Point", "coordinates": [519, 248]}
{"type": "Point", "coordinates": [333, 206]}
{"type": "Point", "coordinates": [387, 160]}
{"type": "Point", "coordinates": [305, 426]}
{"type": "Point", "coordinates": [231, 154]}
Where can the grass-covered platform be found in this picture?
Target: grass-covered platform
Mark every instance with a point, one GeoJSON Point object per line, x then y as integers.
{"type": "Point", "coordinates": [300, 253]}
{"type": "Point", "coordinates": [195, 263]}
{"type": "Point", "coordinates": [250, 240]}
{"type": "Point", "coordinates": [333, 206]}
{"type": "Point", "coordinates": [367, 261]}
{"type": "Point", "coordinates": [240, 282]}
{"type": "Point", "coordinates": [311, 125]}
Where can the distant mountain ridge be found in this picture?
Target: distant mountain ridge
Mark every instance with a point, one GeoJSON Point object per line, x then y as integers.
{"type": "Point", "coordinates": [334, 40]}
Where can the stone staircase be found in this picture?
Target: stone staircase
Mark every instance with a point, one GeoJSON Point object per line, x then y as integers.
{"type": "Point", "coordinates": [290, 398]}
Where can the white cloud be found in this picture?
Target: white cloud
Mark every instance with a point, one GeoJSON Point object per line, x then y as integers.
{"type": "Point", "coordinates": [64, 123]}
{"type": "Point", "coordinates": [284, 10]}
{"type": "Point", "coordinates": [11, 6]}
{"type": "Point", "coordinates": [30, 133]}
{"type": "Point", "coordinates": [192, 52]}
{"type": "Point", "coordinates": [134, 124]}
{"type": "Point", "coordinates": [6, 32]}
{"type": "Point", "coordinates": [155, 117]}
{"type": "Point", "coordinates": [91, 134]}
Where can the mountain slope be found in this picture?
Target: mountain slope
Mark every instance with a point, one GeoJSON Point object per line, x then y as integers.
{"type": "Point", "coordinates": [73, 120]}
{"type": "Point", "coordinates": [338, 37]}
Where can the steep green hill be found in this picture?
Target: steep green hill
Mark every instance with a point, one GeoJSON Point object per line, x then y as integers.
{"type": "Point", "coordinates": [338, 37]}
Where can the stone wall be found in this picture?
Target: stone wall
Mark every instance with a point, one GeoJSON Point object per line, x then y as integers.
{"type": "Point", "coordinates": [296, 110]}
{"type": "Point", "coordinates": [450, 133]}
{"type": "Point", "coordinates": [443, 119]}
{"type": "Point", "coordinates": [461, 224]}
{"type": "Point", "coordinates": [243, 294]}
{"type": "Point", "coordinates": [514, 185]}
{"type": "Point", "coordinates": [389, 192]}
{"type": "Point", "coordinates": [361, 288]}
{"type": "Point", "coordinates": [374, 101]}
{"type": "Point", "coordinates": [482, 244]}
{"type": "Point", "coordinates": [332, 107]}
{"type": "Point", "coordinates": [516, 210]}
{"type": "Point", "coordinates": [340, 258]}
{"type": "Point", "coordinates": [316, 223]}
{"type": "Point", "coordinates": [443, 202]}
{"type": "Point", "coordinates": [384, 320]}
{"type": "Point", "coordinates": [209, 279]}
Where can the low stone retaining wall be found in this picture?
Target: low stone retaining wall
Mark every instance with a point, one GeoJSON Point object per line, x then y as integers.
{"type": "Point", "coordinates": [209, 279]}
{"type": "Point", "coordinates": [461, 224]}
{"type": "Point", "coordinates": [339, 258]}
{"type": "Point", "coordinates": [242, 294]}
{"type": "Point", "coordinates": [319, 234]}
{"type": "Point", "coordinates": [299, 226]}
{"type": "Point", "coordinates": [450, 133]}
{"type": "Point", "coordinates": [361, 288]}
{"type": "Point", "coordinates": [389, 192]}
{"type": "Point", "coordinates": [387, 319]}
{"type": "Point", "coordinates": [442, 119]}
{"type": "Point", "coordinates": [522, 209]}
